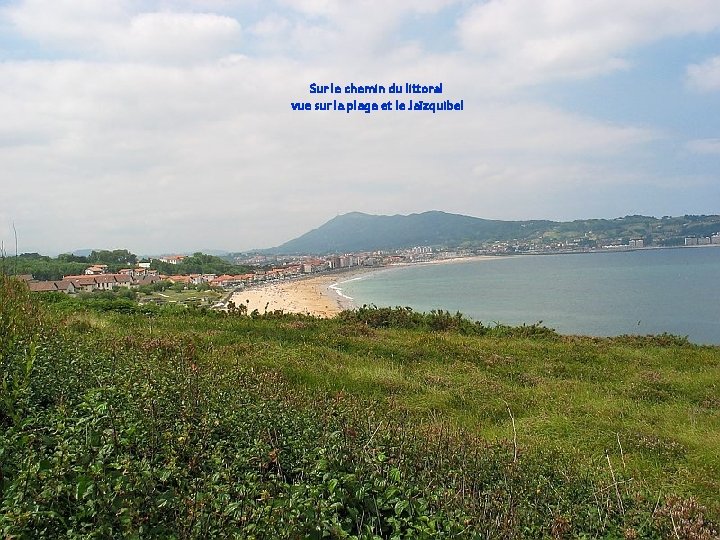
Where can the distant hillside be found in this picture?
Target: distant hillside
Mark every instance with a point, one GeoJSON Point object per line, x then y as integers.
{"type": "Point", "coordinates": [364, 232]}
{"type": "Point", "coordinates": [356, 231]}
{"type": "Point", "coordinates": [83, 252]}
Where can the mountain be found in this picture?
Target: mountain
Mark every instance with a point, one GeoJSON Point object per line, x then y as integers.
{"type": "Point", "coordinates": [356, 231]}
{"type": "Point", "coordinates": [83, 252]}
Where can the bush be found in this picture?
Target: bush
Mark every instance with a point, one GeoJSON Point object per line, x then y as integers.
{"type": "Point", "coordinates": [439, 320]}
{"type": "Point", "coordinates": [150, 435]}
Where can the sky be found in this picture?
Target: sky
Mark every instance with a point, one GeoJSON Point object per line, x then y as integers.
{"type": "Point", "coordinates": [167, 127]}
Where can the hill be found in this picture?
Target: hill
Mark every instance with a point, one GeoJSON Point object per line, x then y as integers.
{"type": "Point", "coordinates": [357, 232]}
{"type": "Point", "coordinates": [365, 232]}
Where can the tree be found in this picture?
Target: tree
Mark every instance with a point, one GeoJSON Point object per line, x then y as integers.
{"type": "Point", "coordinates": [113, 258]}
{"type": "Point", "coordinates": [70, 258]}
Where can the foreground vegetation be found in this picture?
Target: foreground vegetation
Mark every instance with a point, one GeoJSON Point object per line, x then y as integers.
{"type": "Point", "coordinates": [125, 420]}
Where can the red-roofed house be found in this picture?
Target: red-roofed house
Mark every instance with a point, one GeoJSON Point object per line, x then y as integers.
{"type": "Point", "coordinates": [96, 270]}
{"type": "Point", "coordinates": [82, 283]}
{"type": "Point", "coordinates": [108, 282]}
{"type": "Point", "coordinates": [52, 286]}
{"type": "Point", "coordinates": [147, 280]}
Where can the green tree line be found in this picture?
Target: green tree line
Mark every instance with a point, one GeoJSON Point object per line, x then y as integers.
{"type": "Point", "coordinates": [200, 263]}
{"type": "Point", "coordinates": [43, 267]}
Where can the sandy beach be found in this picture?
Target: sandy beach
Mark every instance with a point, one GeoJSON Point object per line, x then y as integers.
{"type": "Point", "coordinates": [312, 296]}
{"type": "Point", "coordinates": [315, 295]}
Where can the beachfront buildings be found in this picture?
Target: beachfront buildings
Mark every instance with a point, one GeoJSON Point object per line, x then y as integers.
{"type": "Point", "coordinates": [702, 240]}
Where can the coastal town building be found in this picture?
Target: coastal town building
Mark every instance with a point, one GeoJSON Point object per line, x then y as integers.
{"type": "Point", "coordinates": [314, 265]}
{"type": "Point", "coordinates": [95, 278]}
{"type": "Point", "coordinates": [179, 279]}
{"type": "Point", "coordinates": [198, 279]}
{"type": "Point", "coordinates": [148, 280]}
{"type": "Point", "coordinates": [64, 286]}
{"type": "Point", "coordinates": [172, 259]}
{"type": "Point", "coordinates": [83, 283]}
{"type": "Point", "coordinates": [228, 281]}
{"type": "Point", "coordinates": [101, 282]}
{"type": "Point", "coordinates": [702, 240]}
{"type": "Point", "coordinates": [96, 270]}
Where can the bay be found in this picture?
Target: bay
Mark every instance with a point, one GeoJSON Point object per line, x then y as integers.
{"type": "Point", "coordinates": [600, 294]}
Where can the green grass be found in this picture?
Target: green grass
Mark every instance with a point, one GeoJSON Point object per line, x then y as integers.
{"type": "Point", "coordinates": [122, 421]}
{"type": "Point", "coordinates": [194, 297]}
{"type": "Point", "coordinates": [576, 395]}
{"type": "Point", "coordinates": [581, 396]}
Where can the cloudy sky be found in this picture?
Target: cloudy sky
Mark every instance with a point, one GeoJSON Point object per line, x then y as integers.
{"type": "Point", "coordinates": [166, 126]}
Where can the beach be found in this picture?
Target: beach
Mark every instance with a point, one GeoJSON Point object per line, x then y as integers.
{"type": "Point", "coordinates": [311, 296]}
{"type": "Point", "coordinates": [318, 295]}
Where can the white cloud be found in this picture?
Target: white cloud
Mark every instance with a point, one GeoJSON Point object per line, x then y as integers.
{"type": "Point", "coordinates": [315, 8]}
{"type": "Point", "coordinates": [130, 147]}
{"type": "Point", "coordinates": [541, 40]}
{"type": "Point", "coordinates": [157, 131]}
{"type": "Point", "coordinates": [704, 146]}
{"type": "Point", "coordinates": [176, 36]}
{"type": "Point", "coordinates": [112, 30]}
{"type": "Point", "coordinates": [705, 77]}
{"type": "Point", "coordinates": [339, 32]}
{"type": "Point", "coordinates": [272, 26]}
{"type": "Point", "coordinates": [371, 8]}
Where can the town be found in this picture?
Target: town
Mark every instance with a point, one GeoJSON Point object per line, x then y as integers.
{"type": "Point", "coordinates": [261, 269]}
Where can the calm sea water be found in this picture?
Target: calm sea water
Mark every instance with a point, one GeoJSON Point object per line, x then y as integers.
{"type": "Point", "coordinates": [600, 294]}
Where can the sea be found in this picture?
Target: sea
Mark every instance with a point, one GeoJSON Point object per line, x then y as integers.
{"type": "Point", "coordinates": [649, 291]}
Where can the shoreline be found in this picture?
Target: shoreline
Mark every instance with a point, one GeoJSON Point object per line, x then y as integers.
{"type": "Point", "coordinates": [322, 295]}
{"type": "Point", "coordinates": [319, 296]}
{"type": "Point", "coordinates": [311, 295]}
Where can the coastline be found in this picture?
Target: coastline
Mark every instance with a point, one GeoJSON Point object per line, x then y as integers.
{"type": "Point", "coordinates": [319, 296]}
{"type": "Point", "coordinates": [314, 295]}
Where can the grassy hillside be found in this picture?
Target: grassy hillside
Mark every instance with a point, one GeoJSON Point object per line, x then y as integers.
{"type": "Point", "coordinates": [381, 423]}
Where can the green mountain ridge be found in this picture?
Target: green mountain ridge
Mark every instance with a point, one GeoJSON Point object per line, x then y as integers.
{"type": "Point", "coordinates": [357, 231]}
